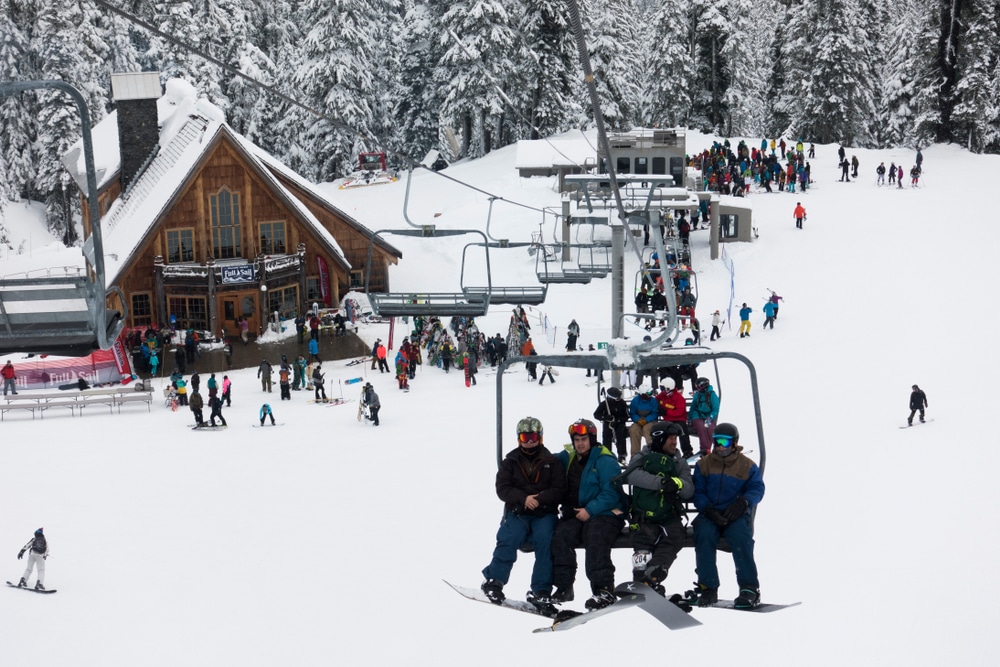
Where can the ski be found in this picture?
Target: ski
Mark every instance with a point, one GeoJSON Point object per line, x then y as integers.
{"type": "Point", "coordinates": [763, 608]}
{"type": "Point", "coordinates": [926, 421]}
{"type": "Point", "coordinates": [338, 401]}
{"type": "Point", "coordinates": [659, 607]}
{"type": "Point", "coordinates": [26, 588]}
{"type": "Point", "coordinates": [567, 619]}
{"type": "Point", "coordinates": [509, 603]}
{"type": "Point", "coordinates": [355, 362]}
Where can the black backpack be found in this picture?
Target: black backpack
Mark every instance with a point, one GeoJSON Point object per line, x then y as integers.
{"type": "Point", "coordinates": [650, 505]}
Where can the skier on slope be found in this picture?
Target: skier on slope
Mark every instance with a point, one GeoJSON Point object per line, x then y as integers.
{"type": "Point", "coordinates": [38, 550]}
{"type": "Point", "coordinates": [531, 483]}
{"type": "Point", "coordinates": [918, 402]}
{"type": "Point", "coordinates": [727, 486]}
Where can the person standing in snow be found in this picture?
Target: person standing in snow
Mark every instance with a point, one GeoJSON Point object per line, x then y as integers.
{"type": "Point", "coordinates": [38, 550]}
{"type": "Point", "coordinates": [572, 334]}
{"type": "Point", "coordinates": [899, 176]}
{"type": "Point", "coordinates": [215, 403]}
{"type": "Point", "coordinates": [854, 166]}
{"type": "Point", "coordinates": [196, 404]}
{"type": "Point", "coordinates": [227, 387]}
{"type": "Point", "coordinates": [264, 373]}
{"type": "Point", "coordinates": [774, 298]}
{"type": "Point", "coordinates": [844, 171]}
{"type": "Point", "coordinates": [531, 483]}
{"type": "Point", "coordinates": [799, 214]}
{"type": "Point", "coordinates": [265, 412]}
{"type": "Point", "coordinates": [745, 320]}
{"type": "Point", "coordinates": [716, 323]}
{"type": "Point", "coordinates": [319, 379]}
{"type": "Point", "coordinates": [9, 379]}
{"type": "Point", "coordinates": [918, 403]}
{"type": "Point", "coordinates": [892, 173]}
{"type": "Point", "coordinates": [769, 315]}
{"type": "Point", "coordinates": [370, 399]}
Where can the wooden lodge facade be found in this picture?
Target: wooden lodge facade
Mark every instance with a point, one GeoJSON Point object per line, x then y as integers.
{"type": "Point", "coordinates": [211, 229]}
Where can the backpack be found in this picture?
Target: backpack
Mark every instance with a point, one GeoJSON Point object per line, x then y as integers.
{"type": "Point", "coordinates": [652, 506]}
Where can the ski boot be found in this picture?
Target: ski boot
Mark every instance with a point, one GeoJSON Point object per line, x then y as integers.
{"type": "Point", "coordinates": [562, 594]}
{"type": "Point", "coordinates": [38, 586]}
{"type": "Point", "coordinates": [542, 602]}
{"type": "Point", "coordinates": [600, 599]}
{"type": "Point", "coordinates": [702, 596]}
{"type": "Point", "coordinates": [748, 598]}
{"type": "Point", "coordinates": [22, 583]}
{"type": "Point", "coordinates": [494, 591]}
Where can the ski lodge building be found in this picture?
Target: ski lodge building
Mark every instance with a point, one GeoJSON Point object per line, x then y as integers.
{"type": "Point", "coordinates": [201, 227]}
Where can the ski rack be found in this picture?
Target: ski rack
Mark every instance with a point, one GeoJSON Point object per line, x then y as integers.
{"type": "Point", "coordinates": [634, 357]}
{"type": "Point", "coordinates": [529, 295]}
{"type": "Point", "coordinates": [65, 313]}
{"type": "Point", "coordinates": [439, 304]}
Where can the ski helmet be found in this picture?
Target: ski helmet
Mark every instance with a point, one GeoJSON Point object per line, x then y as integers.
{"type": "Point", "coordinates": [703, 383]}
{"type": "Point", "coordinates": [38, 532]}
{"type": "Point", "coordinates": [660, 431]}
{"type": "Point", "coordinates": [529, 425]}
{"type": "Point", "coordinates": [725, 438]}
{"type": "Point", "coordinates": [584, 426]}
{"type": "Point", "coordinates": [668, 384]}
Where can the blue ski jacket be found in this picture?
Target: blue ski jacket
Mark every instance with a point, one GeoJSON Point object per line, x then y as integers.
{"type": "Point", "coordinates": [599, 495]}
{"type": "Point", "coordinates": [704, 405]}
{"type": "Point", "coordinates": [720, 480]}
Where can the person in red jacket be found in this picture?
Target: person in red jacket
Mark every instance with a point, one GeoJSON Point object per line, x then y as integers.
{"type": "Point", "coordinates": [799, 214]}
{"type": "Point", "coordinates": [673, 408]}
{"type": "Point", "coordinates": [383, 365]}
{"type": "Point", "coordinates": [9, 379]}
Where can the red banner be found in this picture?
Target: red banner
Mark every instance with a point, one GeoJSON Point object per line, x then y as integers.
{"type": "Point", "coordinates": [50, 372]}
{"type": "Point", "coordinates": [121, 358]}
{"type": "Point", "coordinates": [324, 280]}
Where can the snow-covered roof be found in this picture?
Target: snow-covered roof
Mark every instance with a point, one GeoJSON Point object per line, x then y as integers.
{"type": "Point", "coordinates": [189, 128]}
{"type": "Point", "coordinates": [548, 153]}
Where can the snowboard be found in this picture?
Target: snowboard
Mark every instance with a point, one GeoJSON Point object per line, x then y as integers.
{"type": "Point", "coordinates": [509, 603]}
{"type": "Point", "coordinates": [208, 427]}
{"type": "Point", "coordinates": [659, 607]}
{"type": "Point", "coordinates": [268, 424]}
{"type": "Point", "coordinates": [26, 588]}
{"type": "Point", "coordinates": [353, 380]}
{"type": "Point", "coordinates": [763, 608]}
{"type": "Point", "coordinates": [361, 406]}
{"type": "Point", "coordinates": [465, 366]}
{"type": "Point", "coordinates": [356, 362]}
{"type": "Point", "coordinates": [321, 400]}
{"type": "Point", "coordinates": [917, 423]}
{"type": "Point", "coordinates": [567, 619]}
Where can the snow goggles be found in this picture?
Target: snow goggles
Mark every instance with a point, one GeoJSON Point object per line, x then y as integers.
{"type": "Point", "coordinates": [579, 429]}
{"type": "Point", "coordinates": [527, 436]}
{"type": "Point", "coordinates": [723, 440]}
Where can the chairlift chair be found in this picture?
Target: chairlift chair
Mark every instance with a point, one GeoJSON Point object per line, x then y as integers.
{"type": "Point", "coordinates": [527, 295]}
{"type": "Point", "coordinates": [62, 312]}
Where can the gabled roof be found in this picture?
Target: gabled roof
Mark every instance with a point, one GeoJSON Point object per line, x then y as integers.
{"type": "Point", "coordinates": [189, 130]}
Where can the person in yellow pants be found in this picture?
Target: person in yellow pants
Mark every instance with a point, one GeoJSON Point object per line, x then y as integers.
{"type": "Point", "coordinates": [745, 320]}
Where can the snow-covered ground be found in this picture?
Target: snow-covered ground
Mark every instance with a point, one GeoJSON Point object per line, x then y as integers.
{"type": "Point", "coordinates": [325, 541]}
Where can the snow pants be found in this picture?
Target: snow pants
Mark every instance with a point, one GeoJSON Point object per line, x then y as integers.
{"type": "Point", "coordinates": [655, 546]}
{"type": "Point", "coordinates": [706, 542]}
{"type": "Point", "coordinates": [705, 434]}
{"type": "Point", "coordinates": [596, 536]}
{"type": "Point", "coordinates": [636, 433]}
{"type": "Point", "coordinates": [515, 530]}
{"type": "Point", "coordinates": [33, 560]}
{"type": "Point", "coordinates": [744, 328]}
{"type": "Point", "coordinates": [614, 432]}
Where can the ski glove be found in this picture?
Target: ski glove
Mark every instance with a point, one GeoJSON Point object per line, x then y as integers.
{"type": "Point", "coordinates": [736, 509]}
{"type": "Point", "coordinates": [20, 554]}
{"type": "Point", "coordinates": [671, 485]}
{"type": "Point", "coordinates": [714, 516]}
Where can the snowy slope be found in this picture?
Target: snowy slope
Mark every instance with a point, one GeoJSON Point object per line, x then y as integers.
{"type": "Point", "coordinates": [314, 542]}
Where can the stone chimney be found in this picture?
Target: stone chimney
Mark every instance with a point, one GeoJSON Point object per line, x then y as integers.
{"type": "Point", "coordinates": [135, 95]}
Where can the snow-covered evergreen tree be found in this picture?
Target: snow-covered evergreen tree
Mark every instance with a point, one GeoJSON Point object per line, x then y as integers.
{"type": "Point", "coordinates": [897, 63]}
{"type": "Point", "coordinates": [977, 108]}
{"type": "Point", "coordinates": [339, 54]}
{"type": "Point", "coordinates": [709, 32]}
{"type": "Point", "coordinates": [418, 102]}
{"type": "Point", "coordinates": [837, 104]}
{"type": "Point", "coordinates": [551, 66]}
{"type": "Point", "coordinates": [477, 70]}
{"type": "Point", "coordinates": [17, 129]}
{"type": "Point", "coordinates": [745, 57]}
{"type": "Point", "coordinates": [666, 96]}
{"type": "Point", "coordinates": [614, 58]}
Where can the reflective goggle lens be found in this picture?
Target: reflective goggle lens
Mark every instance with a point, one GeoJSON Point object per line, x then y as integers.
{"type": "Point", "coordinates": [723, 440]}
{"type": "Point", "coordinates": [578, 429]}
{"type": "Point", "coordinates": [528, 436]}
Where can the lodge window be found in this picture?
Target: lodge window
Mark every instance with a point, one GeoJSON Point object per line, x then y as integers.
{"type": "Point", "coordinates": [357, 279]}
{"type": "Point", "coordinates": [190, 312]}
{"type": "Point", "coordinates": [623, 165]}
{"type": "Point", "coordinates": [642, 165]}
{"type": "Point", "coordinates": [313, 292]}
{"type": "Point", "coordinates": [272, 238]}
{"type": "Point", "coordinates": [225, 211]}
{"type": "Point", "coordinates": [180, 245]}
{"type": "Point", "coordinates": [730, 226]}
{"type": "Point", "coordinates": [659, 165]}
{"type": "Point", "coordinates": [142, 309]}
{"type": "Point", "coordinates": [284, 300]}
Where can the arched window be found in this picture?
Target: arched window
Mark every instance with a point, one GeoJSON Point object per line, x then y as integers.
{"type": "Point", "coordinates": [225, 211]}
